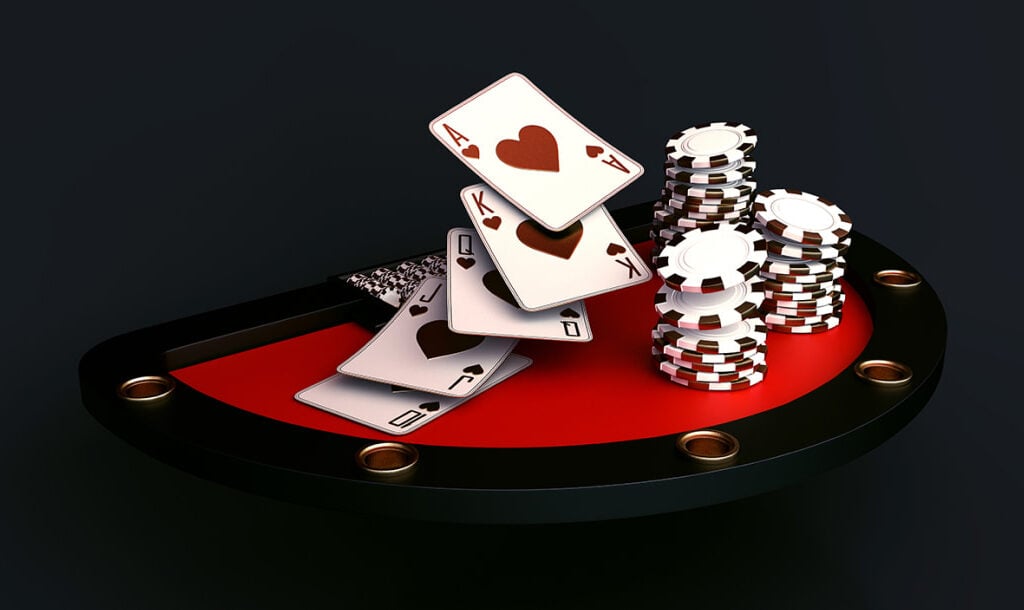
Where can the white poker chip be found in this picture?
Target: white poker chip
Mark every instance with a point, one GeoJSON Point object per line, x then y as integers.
{"type": "Point", "coordinates": [821, 312]}
{"type": "Point", "coordinates": [700, 310]}
{"type": "Point", "coordinates": [665, 365]}
{"type": "Point", "coordinates": [801, 217]}
{"type": "Point", "coordinates": [831, 275]}
{"type": "Point", "coordinates": [678, 206]}
{"type": "Point", "coordinates": [794, 266]}
{"type": "Point", "coordinates": [711, 145]}
{"type": "Point", "coordinates": [744, 365]}
{"type": "Point", "coordinates": [733, 190]}
{"type": "Point", "coordinates": [739, 337]}
{"type": "Point", "coordinates": [793, 309]}
{"type": "Point", "coordinates": [669, 214]}
{"type": "Point", "coordinates": [712, 258]}
{"type": "Point", "coordinates": [753, 378]}
{"type": "Point", "coordinates": [836, 299]}
{"type": "Point", "coordinates": [677, 201]}
{"type": "Point", "coordinates": [715, 176]}
{"type": "Point", "coordinates": [679, 186]}
{"type": "Point", "coordinates": [810, 329]}
{"type": "Point", "coordinates": [780, 246]}
{"type": "Point", "coordinates": [670, 217]}
{"type": "Point", "coordinates": [817, 295]}
{"type": "Point", "coordinates": [810, 253]}
{"type": "Point", "coordinates": [778, 319]}
{"type": "Point", "coordinates": [777, 287]}
{"type": "Point", "coordinates": [716, 216]}
{"type": "Point", "coordinates": [679, 354]}
{"type": "Point", "coordinates": [669, 164]}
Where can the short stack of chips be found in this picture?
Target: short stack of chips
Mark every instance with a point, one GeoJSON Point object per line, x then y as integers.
{"type": "Point", "coordinates": [395, 286]}
{"type": "Point", "coordinates": [807, 238]}
{"type": "Point", "coordinates": [709, 335]}
{"type": "Point", "coordinates": [707, 180]}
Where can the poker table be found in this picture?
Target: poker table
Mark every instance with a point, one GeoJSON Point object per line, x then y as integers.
{"type": "Point", "coordinates": [589, 431]}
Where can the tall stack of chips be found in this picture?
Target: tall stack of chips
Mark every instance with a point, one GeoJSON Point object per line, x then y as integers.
{"type": "Point", "coordinates": [707, 180]}
{"type": "Point", "coordinates": [710, 335]}
{"type": "Point", "coordinates": [807, 237]}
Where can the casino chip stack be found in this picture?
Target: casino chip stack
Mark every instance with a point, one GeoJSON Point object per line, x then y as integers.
{"type": "Point", "coordinates": [707, 180]}
{"type": "Point", "coordinates": [394, 286]}
{"type": "Point", "coordinates": [807, 237]}
{"type": "Point", "coordinates": [709, 335]}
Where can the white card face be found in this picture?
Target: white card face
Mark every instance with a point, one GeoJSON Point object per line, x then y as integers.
{"type": "Point", "coordinates": [417, 350]}
{"type": "Point", "coordinates": [534, 153]}
{"type": "Point", "coordinates": [545, 270]}
{"type": "Point", "coordinates": [479, 301]}
{"type": "Point", "coordinates": [389, 409]}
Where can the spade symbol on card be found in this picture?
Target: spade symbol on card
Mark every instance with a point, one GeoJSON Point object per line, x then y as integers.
{"type": "Point", "coordinates": [536, 149]}
{"type": "Point", "coordinates": [474, 369]}
{"type": "Point", "coordinates": [431, 406]}
{"type": "Point", "coordinates": [465, 262]}
{"type": "Point", "coordinates": [568, 313]}
{"type": "Point", "coordinates": [495, 285]}
{"type": "Point", "coordinates": [416, 310]}
{"type": "Point", "coordinates": [436, 339]}
{"type": "Point", "coordinates": [556, 243]}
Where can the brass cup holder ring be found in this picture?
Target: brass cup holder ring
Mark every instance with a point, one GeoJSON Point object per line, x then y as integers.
{"type": "Point", "coordinates": [883, 372]}
{"type": "Point", "coordinates": [708, 446]}
{"type": "Point", "coordinates": [387, 459]}
{"type": "Point", "coordinates": [148, 389]}
{"type": "Point", "coordinates": [897, 278]}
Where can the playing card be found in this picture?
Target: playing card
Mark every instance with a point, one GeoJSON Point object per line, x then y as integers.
{"type": "Point", "coordinates": [544, 269]}
{"type": "Point", "coordinates": [417, 350]}
{"type": "Point", "coordinates": [393, 409]}
{"type": "Point", "coordinates": [533, 152]}
{"type": "Point", "coordinates": [480, 303]}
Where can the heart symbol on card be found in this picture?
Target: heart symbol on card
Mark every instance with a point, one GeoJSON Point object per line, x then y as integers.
{"type": "Point", "coordinates": [431, 406]}
{"type": "Point", "coordinates": [417, 310]}
{"type": "Point", "coordinates": [474, 369]}
{"type": "Point", "coordinates": [494, 284]}
{"type": "Point", "coordinates": [536, 149]}
{"type": "Point", "coordinates": [493, 222]}
{"type": "Point", "coordinates": [614, 249]}
{"type": "Point", "coordinates": [472, 151]}
{"type": "Point", "coordinates": [568, 313]}
{"type": "Point", "coordinates": [593, 151]}
{"type": "Point", "coordinates": [465, 263]}
{"type": "Point", "coordinates": [436, 339]}
{"type": "Point", "coordinates": [556, 243]}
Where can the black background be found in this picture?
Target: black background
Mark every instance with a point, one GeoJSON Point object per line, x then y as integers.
{"type": "Point", "coordinates": [161, 162]}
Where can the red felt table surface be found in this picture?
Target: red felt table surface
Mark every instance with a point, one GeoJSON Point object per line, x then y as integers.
{"type": "Point", "coordinates": [605, 390]}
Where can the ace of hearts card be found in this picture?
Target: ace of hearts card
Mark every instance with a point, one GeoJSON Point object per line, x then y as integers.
{"type": "Point", "coordinates": [533, 152]}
